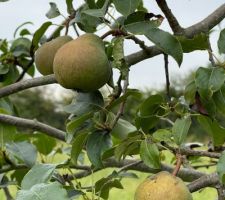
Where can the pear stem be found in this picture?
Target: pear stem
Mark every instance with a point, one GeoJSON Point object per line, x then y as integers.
{"type": "Point", "coordinates": [178, 164]}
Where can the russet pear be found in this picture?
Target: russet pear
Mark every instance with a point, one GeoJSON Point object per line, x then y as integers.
{"type": "Point", "coordinates": [45, 54]}
{"type": "Point", "coordinates": [82, 64]}
{"type": "Point", "coordinates": [163, 186]}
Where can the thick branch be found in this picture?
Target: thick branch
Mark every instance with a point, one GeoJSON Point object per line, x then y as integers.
{"type": "Point", "coordinates": [139, 56]}
{"type": "Point", "coordinates": [22, 85]}
{"type": "Point", "coordinates": [210, 180]}
{"type": "Point", "coordinates": [34, 125]}
{"type": "Point", "coordinates": [186, 174]}
{"type": "Point", "coordinates": [206, 24]}
{"type": "Point", "coordinates": [174, 24]}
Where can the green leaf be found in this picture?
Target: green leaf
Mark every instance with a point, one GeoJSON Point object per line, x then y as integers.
{"type": "Point", "coordinates": [146, 123]}
{"type": "Point", "coordinates": [149, 112]}
{"type": "Point", "coordinates": [190, 92]}
{"type": "Point", "coordinates": [77, 146]}
{"type": "Point", "coordinates": [21, 47]}
{"type": "Point", "coordinates": [198, 42]}
{"type": "Point", "coordinates": [151, 105]}
{"type": "Point", "coordinates": [43, 191]}
{"type": "Point", "coordinates": [122, 129]}
{"type": "Point", "coordinates": [44, 143]}
{"type": "Point", "coordinates": [150, 154]}
{"type": "Point", "coordinates": [163, 135]}
{"type": "Point", "coordinates": [86, 22]}
{"type": "Point", "coordinates": [69, 4]}
{"type": "Point", "coordinates": [97, 143]}
{"type": "Point", "coordinates": [91, 4]}
{"type": "Point", "coordinates": [24, 32]}
{"type": "Point", "coordinates": [3, 0]}
{"type": "Point", "coordinates": [180, 129]}
{"type": "Point", "coordinates": [126, 7]}
{"type": "Point", "coordinates": [167, 42]}
{"type": "Point", "coordinates": [3, 46]}
{"type": "Point", "coordinates": [138, 16]}
{"type": "Point", "coordinates": [7, 134]}
{"type": "Point", "coordinates": [18, 175]}
{"type": "Point", "coordinates": [85, 102]}
{"type": "Point", "coordinates": [219, 99]}
{"type": "Point", "coordinates": [130, 93]}
{"type": "Point", "coordinates": [213, 128]}
{"type": "Point", "coordinates": [23, 24]}
{"type": "Point", "coordinates": [140, 28]}
{"type": "Point", "coordinates": [53, 12]}
{"type": "Point", "coordinates": [23, 151]}
{"type": "Point", "coordinates": [11, 76]}
{"type": "Point", "coordinates": [118, 56]}
{"type": "Point", "coordinates": [103, 186]}
{"type": "Point", "coordinates": [138, 24]}
{"type": "Point", "coordinates": [77, 122]}
{"type": "Point", "coordinates": [209, 80]}
{"type": "Point", "coordinates": [31, 71]}
{"type": "Point", "coordinates": [141, 7]}
{"type": "Point", "coordinates": [221, 168]}
{"type": "Point", "coordinates": [6, 107]}
{"type": "Point", "coordinates": [221, 42]}
{"type": "Point", "coordinates": [39, 173]}
{"type": "Point", "coordinates": [98, 12]}
{"type": "Point", "coordinates": [39, 33]}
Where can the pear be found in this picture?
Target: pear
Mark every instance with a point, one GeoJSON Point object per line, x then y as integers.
{"type": "Point", "coordinates": [82, 64]}
{"type": "Point", "coordinates": [163, 186]}
{"type": "Point", "coordinates": [45, 54]}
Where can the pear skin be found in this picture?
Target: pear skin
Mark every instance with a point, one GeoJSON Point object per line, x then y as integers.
{"type": "Point", "coordinates": [163, 186]}
{"type": "Point", "coordinates": [82, 64]}
{"type": "Point", "coordinates": [45, 54]}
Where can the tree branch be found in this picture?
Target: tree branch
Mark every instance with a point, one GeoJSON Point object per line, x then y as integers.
{"type": "Point", "coordinates": [206, 24]}
{"type": "Point", "coordinates": [185, 174]}
{"type": "Point", "coordinates": [166, 67]}
{"type": "Point", "coordinates": [174, 24]}
{"type": "Point", "coordinates": [191, 152]}
{"type": "Point", "coordinates": [22, 85]}
{"type": "Point", "coordinates": [139, 56]}
{"type": "Point", "coordinates": [34, 125]}
{"type": "Point", "coordinates": [210, 180]}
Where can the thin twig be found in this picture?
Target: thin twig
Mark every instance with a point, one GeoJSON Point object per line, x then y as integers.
{"type": "Point", "coordinates": [75, 29]}
{"type": "Point", "coordinates": [122, 105]}
{"type": "Point", "coordinates": [178, 164]}
{"type": "Point", "coordinates": [166, 66]}
{"type": "Point", "coordinates": [210, 52]}
{"type": "Point", "coordinates": [111, 32]}
{"type": "Point", "coordinates": [119, 32]}
{"type": "Point", "coordinates": [7, 193]}
{"type": "Point", "coordinates": [174, 24]}
{"type": "Point", "coordinates": [25, 70]}
{"type": "Point", "coordinates": [127, 167]}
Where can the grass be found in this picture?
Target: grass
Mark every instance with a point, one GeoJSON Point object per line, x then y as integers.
{"type": "Point", "coordinates": [130, 184]}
